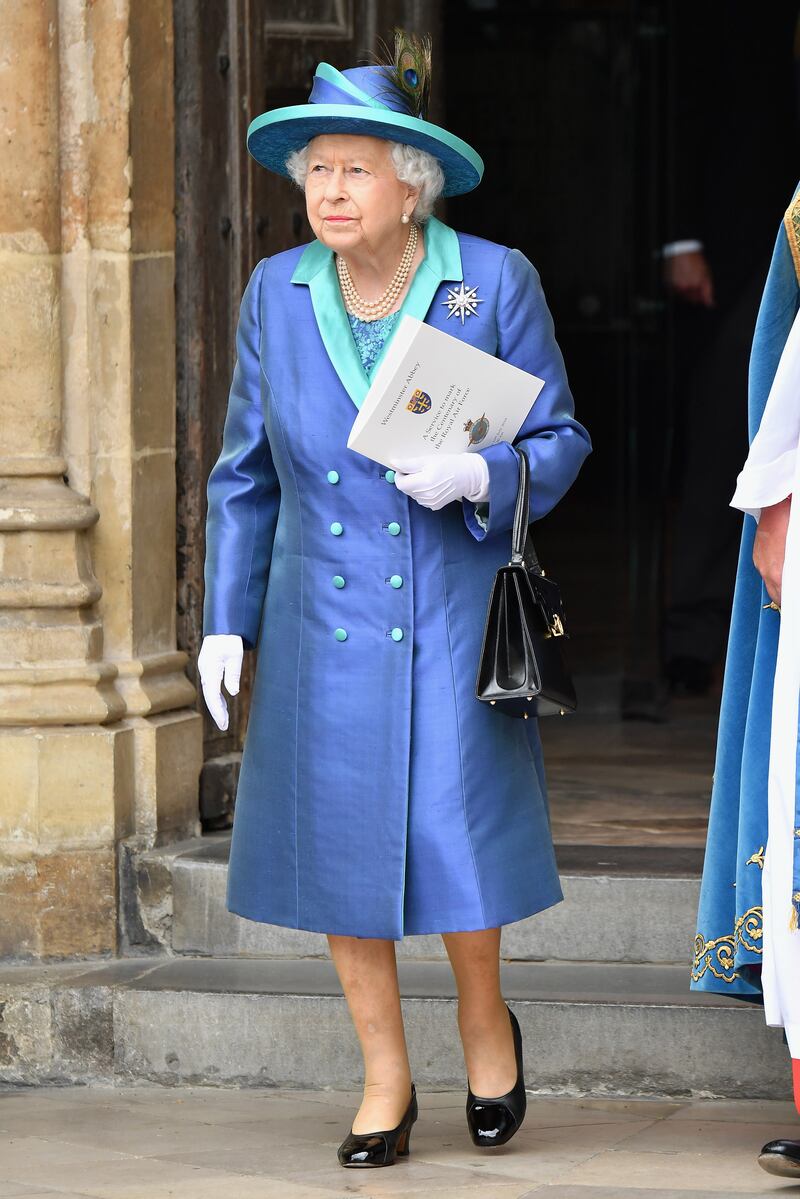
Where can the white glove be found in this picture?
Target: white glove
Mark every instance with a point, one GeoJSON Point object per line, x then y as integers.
{"type": "Point", "coordinates": [436, 479]}
{"type": "Point", "coordinates": [220, 654]}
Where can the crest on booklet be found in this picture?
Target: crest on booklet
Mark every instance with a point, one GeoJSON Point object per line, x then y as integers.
{"type": "Point", "coordinates": [477, 429]}
{"type": "Point", "coordinates": [420, 401]}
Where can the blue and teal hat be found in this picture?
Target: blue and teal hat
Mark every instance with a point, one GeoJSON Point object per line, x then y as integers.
{"type": "Point", "coordinates": [360, 100]}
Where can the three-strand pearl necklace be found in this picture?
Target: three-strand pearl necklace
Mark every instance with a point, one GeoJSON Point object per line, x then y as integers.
{"type": "Point", "coordinates": [373, 310]}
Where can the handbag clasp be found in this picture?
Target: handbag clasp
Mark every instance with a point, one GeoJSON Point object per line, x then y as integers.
{"type": "Point", "coordinates": [556, 626]}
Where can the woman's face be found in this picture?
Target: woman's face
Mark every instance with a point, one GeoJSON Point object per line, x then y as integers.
{"type": "Point", "coordinates": [353, 196]}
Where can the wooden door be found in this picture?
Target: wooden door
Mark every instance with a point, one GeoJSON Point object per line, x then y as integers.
{"type": "Point", "coordinates": [233, 60]}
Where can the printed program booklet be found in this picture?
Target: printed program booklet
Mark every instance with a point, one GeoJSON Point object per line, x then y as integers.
{"type": "Point", "coordinates": [433, 393]}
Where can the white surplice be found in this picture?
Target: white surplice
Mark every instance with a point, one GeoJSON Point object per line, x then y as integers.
{"type": "Point", "coordinates": [770, 474]}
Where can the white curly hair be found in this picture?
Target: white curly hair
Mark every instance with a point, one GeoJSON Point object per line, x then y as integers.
{"type": "Point", "coordinates": [412, 166]}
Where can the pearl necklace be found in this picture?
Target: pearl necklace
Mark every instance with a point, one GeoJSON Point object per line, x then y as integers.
{"type": "Point", "coordinates": [373, 310]}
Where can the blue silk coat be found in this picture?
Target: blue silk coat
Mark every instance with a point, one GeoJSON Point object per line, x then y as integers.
{"type": "Point", "coordinates": [377, 795]}
{"type": "Point", "coordinates": [729, 943]}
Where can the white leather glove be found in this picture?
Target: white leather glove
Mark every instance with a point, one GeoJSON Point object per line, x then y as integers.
{"type": "Point", "coordinates": [436, 479]}
{"type": "Point", "coordinates": [220, 655]}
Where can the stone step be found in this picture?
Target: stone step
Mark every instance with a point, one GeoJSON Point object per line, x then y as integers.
{"type": "Point", "coordinates": [622, 904]}
{"type": "Point", "coordinates": [588, 1028]}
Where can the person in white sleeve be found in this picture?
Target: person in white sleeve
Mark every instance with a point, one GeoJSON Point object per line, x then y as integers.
{"type": "Point", "coordinates": [748, 943]}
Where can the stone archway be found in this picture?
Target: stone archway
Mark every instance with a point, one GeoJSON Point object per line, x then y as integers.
{"type": "Point", "coordinates": [100, 744]}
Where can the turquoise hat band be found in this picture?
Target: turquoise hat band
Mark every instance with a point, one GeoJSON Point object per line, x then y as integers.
{"type": "Point", "coordinates": [333, 87]}
{"type": "Point", "coordinates": [272, 136]}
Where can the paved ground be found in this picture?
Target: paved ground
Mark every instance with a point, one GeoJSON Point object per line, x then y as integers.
{"type": "Point", "coordinates": [199, 1143]}
{"type": "Point", "coordinates": [629, 782]}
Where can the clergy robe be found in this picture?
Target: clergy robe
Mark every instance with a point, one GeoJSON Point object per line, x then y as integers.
{"type": "Point", "coordinates": [750, 895]}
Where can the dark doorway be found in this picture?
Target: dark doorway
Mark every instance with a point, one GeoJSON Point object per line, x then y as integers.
{"type": "Point", "coordinates": [567, 103]}
{"type": "Point", "coordinates": [609, 128]}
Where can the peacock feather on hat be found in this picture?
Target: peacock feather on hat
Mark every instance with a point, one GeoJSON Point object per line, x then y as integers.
{"type": "Point", "coordinates": [408, 70]}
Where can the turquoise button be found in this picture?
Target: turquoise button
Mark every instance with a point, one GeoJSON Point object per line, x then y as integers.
{"type": "Point", "coordinates": [397, 634]}
{"type": "Point", "coordinates": [337, 529]}
{"type": "Point", "coordinates": [389, 476]}
{"type": "Point", "coordinates": [340, 634]}
{"type": "Point", "coordinates": [333, 476]}
{"type": "Point", "coordinates": [396, 580]}
{"type": "Point", "coordinates": [338, 581]}
{"type": "Point", "coordinates": [394, 528]}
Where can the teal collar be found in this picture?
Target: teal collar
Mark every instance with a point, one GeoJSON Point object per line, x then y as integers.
{"type": "Point", "coordinates": [317, 269]}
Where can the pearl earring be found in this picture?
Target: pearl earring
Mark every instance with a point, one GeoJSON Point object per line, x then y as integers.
{"type": "Point", "coordinates": [405, 218]}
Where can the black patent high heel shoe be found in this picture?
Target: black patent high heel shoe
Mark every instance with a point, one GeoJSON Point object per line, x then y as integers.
{"type": "Point", "coordinates": [493, 1121]}
{"type": "Point", "coordinates": [379, 1148]}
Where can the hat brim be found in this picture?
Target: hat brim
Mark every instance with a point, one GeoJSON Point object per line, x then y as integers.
{"type": "Point", "coordinates": [272, 136]}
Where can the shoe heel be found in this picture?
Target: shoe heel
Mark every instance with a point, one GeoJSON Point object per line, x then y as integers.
{"type": "Point", "coordinates": [404, 1144]}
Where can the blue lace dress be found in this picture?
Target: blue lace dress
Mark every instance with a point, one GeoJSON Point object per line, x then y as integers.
{"type": "Point", "coordinates": [370, 336]}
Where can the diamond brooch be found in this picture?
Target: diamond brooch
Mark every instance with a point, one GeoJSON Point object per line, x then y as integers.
{"type": "Point", "coordinates": [462, 301]}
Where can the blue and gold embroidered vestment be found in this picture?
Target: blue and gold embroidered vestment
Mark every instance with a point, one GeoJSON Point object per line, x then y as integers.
{"type": "Point", "coordinates": [729, 943]}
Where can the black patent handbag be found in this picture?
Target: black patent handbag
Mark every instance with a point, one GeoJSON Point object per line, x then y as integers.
{"type": "Point", "coordinates": [522, 670]}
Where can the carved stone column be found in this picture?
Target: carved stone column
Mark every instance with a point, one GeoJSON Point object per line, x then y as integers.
{"type": "Point", "coordinates": [99, 740]}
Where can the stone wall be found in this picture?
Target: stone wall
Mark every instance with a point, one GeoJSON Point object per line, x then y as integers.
{"type": "Point", "coordinates": [99, 740]}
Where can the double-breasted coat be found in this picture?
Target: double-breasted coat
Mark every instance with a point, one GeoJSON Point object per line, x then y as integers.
{"type": "Point", "coordinates": [377, 796]}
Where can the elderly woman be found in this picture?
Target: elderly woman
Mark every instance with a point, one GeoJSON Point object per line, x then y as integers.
{"type": "Point", "coordinates": [378, 798]}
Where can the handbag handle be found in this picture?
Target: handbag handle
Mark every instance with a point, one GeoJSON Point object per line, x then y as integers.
{"type": "Point", "coordinates": [522, 548]}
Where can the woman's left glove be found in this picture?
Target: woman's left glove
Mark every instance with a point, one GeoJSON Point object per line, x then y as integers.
{"type": "Point", "coordinates": [436, 479]}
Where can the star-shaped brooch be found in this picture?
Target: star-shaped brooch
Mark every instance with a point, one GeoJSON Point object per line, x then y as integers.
{"type": "Point", "coordinates": [462, 301]}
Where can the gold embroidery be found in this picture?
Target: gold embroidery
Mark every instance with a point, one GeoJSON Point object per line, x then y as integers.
{"type": "Point", "coordinates": [710, 954]}
{"type": "Point", "coordinates": [757, 859]}
{"type": "Point", "coordinates": [791, 223]}
{"type": "Point", "coordinates": [750, 928]}
{"type": "Point", "coordinates": [718, 955]}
